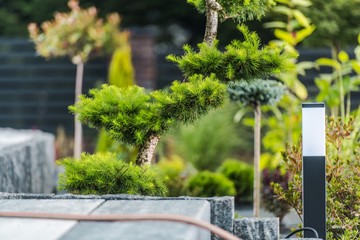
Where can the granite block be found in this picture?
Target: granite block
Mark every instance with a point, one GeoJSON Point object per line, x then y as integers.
{"type": "Point", "coordinates": [26, 161]}
{"type": "Point", "coordinates": [222, 208]}
{"type": "Point", "coordinates": [257, 228]}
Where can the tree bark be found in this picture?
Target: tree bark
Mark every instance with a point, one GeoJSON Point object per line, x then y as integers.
{"type": "Point", "coordinates": [212, 19]}
{"type": "Point", "coordinates": [257, 146]}
{"type": "Point", "coordinates": [146, 152]}
{"type": "Point", "coordinates": [78, 127]}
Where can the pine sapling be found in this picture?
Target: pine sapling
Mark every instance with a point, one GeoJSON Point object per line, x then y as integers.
{"type": "Point", "coordinates": [255, 94]}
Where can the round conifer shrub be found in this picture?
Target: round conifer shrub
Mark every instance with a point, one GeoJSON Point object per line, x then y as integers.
{"type": "Point", "coordinates": [104, 173]}
{"type": "Point", "coordinates": [173, 170]}
{"type": "Point", "coordinates": [242, 175]}
{"type": "Point", "coordinates": [209, 184]}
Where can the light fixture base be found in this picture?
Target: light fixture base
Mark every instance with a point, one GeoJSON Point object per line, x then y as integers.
{"type": "Point", "coordinates": [314, 195]}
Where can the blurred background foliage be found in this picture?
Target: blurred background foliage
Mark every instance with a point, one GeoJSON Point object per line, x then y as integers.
{"type": "Point", "coordinates": [179, 22]}
{"type": "Point", "coordinates": [173, 24]}
{"type": "Point", "coordinates": [209, 141]}
{"type": "Point", "coordinates": [336, 22]}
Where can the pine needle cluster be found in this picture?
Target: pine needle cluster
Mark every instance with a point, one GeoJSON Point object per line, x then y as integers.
{"type": "Point", "coordinates": [132, 115]}
{"type": "Point", "coordinates": [258, 92]}
{"type": "Point", "coordinates": [239, 10]}
{"type": "Point", "coordinates": [241, 60]}
{"type": "Point", "coordinates": [103, 173]}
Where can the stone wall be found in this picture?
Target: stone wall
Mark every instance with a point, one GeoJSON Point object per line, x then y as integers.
{"type": "Point", "coordinates": [26, 161]}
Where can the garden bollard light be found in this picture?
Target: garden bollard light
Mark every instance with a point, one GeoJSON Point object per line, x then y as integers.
{"type": "Point", "coordinates": [314, 178]}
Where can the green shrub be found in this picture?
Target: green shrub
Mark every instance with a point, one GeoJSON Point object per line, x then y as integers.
{"type": "Point", "coordinates": [208, 184]}
{"type": "Point", "coordinates": [342, 175]}
{"type": "Point", "coordinates": [268, 198]}
{"type": "Point", "coordinates": [209, 141]}
{"type": "Point", "coordinates": [173, 171]}
{"type": "Point", "coordinates": [242, 175]}
{"type": "Point", "coordinates": [103, 173]}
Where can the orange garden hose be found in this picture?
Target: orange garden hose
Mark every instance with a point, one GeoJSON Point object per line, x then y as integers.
{"type": "Point", "coordinates": [126, 217]}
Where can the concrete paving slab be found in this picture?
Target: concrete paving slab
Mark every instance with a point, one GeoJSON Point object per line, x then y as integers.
{"type": "Point", "coordinates": [38, 229]}
{"type": "Point", "coordinates": [154, 230]}
{"type": "Point", "coordinates": [33, 229]}
{"type": "Point", "coordinates": [73, 206]}
{"type": "Point", "coordinates": [192, 208]}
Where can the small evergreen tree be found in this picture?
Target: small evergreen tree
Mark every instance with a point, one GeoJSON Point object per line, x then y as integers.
{"type": "Point", "coordinates": [139, 118]}
{"type": "Point", "coordinates": [133, 116]}
{"type": "Point", "coordinates": [80, 35]}
{"type": "Point", "coordinates": [255, 94]}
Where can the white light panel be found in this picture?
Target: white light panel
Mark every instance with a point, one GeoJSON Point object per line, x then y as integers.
{"type": "Point", "coordinates": [313, 129]}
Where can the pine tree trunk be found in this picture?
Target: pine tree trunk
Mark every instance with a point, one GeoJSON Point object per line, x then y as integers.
{"type": "Point", "coordinates": [146, 152]}
{"type": "Point", "coordinates": [78, 127]}
{"type": "Point", "coordinates": [257, 145]}
{"type": "Point", "coordinates": [212, 19]}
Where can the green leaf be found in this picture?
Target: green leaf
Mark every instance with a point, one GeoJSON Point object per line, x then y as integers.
{"type": "Point", "coordinates": [295, 86]}
{"type": "Point", "coordinates": [356, 66]}
{"type": "Point", "coordinates": [283, 10]}
{"type": "Point", "coordinates": [329, 62]}
{"type": "Point", "coordinates": [275, 24]}
{"type": "Point", "coordinates": [357, 53]}
{"type": "Point", "coordinates": [322, 84]}
{"type": "Point", "coordinates": [240, 114]}
{"type": "Point", "coordinates": [302, 66]}
{"type": "Point", "coordinates": [300, 90]}
{"type": "Point", "coordinates": [249, 122]}
{"type": "Point", "coordinates": [302, 34]}
{"type": "Point", "coordinates": [283, 1]}
{"type": "Point", "coordinates": [285, 36]}
{"type": "Point", "coordinates": [355, 81]}
{"type": "Point", "coordinates": [359, 38]}
{"type": "Point", "coordinates": [343, 56]}
{"type": "Point", "coordinates": [303, 21]}
{"type": "Point", "coordinates": [301, 3]}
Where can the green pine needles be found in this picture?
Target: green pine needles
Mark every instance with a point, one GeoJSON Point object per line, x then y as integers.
{"type": "Point", "coordinates": [103, 173]}
{"type": "Point", "coordinates": [132, 115]}
{"type": "Point", "coordinates": [241, 60]}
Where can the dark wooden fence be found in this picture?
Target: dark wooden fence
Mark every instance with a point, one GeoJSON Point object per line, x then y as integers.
{"type": "Point", "coordinates": [35, 93]}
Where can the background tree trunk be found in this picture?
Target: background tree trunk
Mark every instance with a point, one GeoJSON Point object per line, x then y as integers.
{"type": "Point", "coordinates": [257, 146]}
{"type": "Point", "coordinates": [212, 19]}
{"type": "Point", "coordinates": [146, 152]}
{"type": "Point", "coordinates": [78, 127]}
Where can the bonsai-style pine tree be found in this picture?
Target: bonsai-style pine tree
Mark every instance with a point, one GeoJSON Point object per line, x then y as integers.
{"type": "Point", "coordinates": [80, 35]}
{"type": "Point", "coordinates": [255, 94]}
{"type": "Point", "coordinates": [139, 118]}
